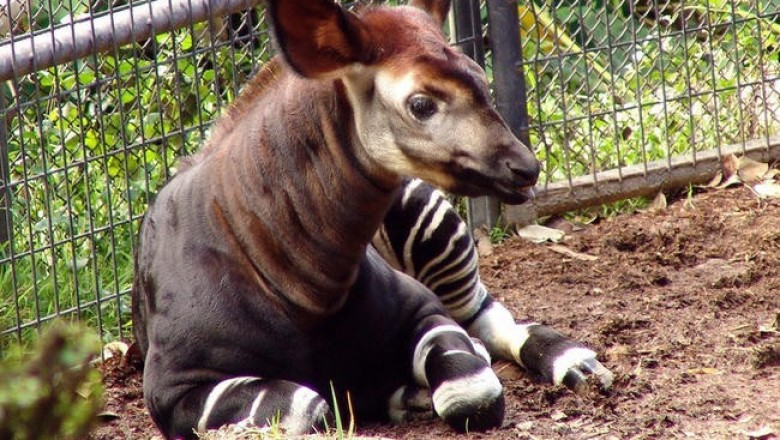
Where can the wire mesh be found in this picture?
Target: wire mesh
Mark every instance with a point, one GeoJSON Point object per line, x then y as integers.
{"type": "Point", "coordinates": [618, 83]}
{"type": "Point", "coordinates": [88, 143]}
{"type": "Point", "coordinates": [85, 145]}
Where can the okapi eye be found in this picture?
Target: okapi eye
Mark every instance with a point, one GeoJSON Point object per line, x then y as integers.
{"type": "Point", "coordinates": [422, 107]}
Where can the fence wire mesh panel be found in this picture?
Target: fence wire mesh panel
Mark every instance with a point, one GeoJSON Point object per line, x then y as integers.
{"type": "Point", "coordinates": [87, 144]}
{"type": "Point", "coordinates": [617, 83]}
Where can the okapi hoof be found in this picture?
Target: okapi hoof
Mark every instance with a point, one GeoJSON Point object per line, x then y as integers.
{"type": "Point", "coordinates": [581, 372]}
{"type": "Point", "coordinates": [474, 399]}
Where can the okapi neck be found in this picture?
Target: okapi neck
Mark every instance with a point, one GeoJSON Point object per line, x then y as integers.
{"type": "Point", "coordinates": [299, 203]}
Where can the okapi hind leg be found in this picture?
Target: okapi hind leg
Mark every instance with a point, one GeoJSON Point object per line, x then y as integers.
{"type": "Point", "coordinates": [248, 402]}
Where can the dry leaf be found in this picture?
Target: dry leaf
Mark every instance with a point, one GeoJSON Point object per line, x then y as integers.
{"type": "Point", "coordinates": [560, 223]}
{"type": "Point", "coordinates": [704, 370]}
{"type": "Point", "coordinates": [751, 170]}
{"type": "Point", "coordinates": [732, 180]}
{"type": "Point", "coordinates": [484, 246]}
{"type": "Point", "coordinates": [558, 416]}
{"type": "Point", "coordinates": [715, 181]}
{"type": "Point", "coordinates": [658, 204]}
{"type": "Point", "coordinates": [507, 370]}
{"type": "Point", "coordinates": [729, 165]}
{"type": "Point", "coordinates": [767, 189]}
{"type": "Point", "coordinates": [771, 174]}
{"type": "Point", "coordinates": [540, 234]}
{"type": "Point", "coordinates": [765, 432]}
{"type": "Point", "coordinates": [570, 253]}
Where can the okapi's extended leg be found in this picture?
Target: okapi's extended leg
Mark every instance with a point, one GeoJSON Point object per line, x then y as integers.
{"type": "Point", "coordinates": [423, 236]}
{"type": "Point", "coordinates": [540, 349]}
{"type": "Point", "coordinates": [245, 401]}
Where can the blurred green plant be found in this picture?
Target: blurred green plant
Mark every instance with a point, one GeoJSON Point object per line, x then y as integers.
{"type": "Point", "coordinates": [53, 393]}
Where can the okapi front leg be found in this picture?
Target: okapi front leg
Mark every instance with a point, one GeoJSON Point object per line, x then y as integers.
{"type": "Point", "coordinates": [464, 389]}
{"type": "Point", "coordinates": [423, 236]}
{"type": "Point", "coordinates": [540, 349]}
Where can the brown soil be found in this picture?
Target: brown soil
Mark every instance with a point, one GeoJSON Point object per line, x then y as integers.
{"type": "Point", "coordinates": [683, 305]}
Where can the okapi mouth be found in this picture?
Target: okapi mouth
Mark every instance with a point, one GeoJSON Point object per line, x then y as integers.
{"type": "Point", "coordinates": [507, 192]}
{"type": "Point", "coordinates": [505, 183]}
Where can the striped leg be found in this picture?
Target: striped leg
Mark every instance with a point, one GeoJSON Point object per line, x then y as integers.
{"type": "Point", "coordinates": [538, 348]}
{"type": "Point", "coordinates": [423, 236]}
{"type": "Point", "coordinates": [247, 402]}
{"type": "Point", "coordinates": [465, 391]}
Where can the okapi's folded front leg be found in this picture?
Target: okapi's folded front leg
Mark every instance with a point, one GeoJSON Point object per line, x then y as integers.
{"type": "Point", "coordinates": [540, 349]}
{"type": "Point", "coordinates": [423, 236]}
{"type": "Point", "coordinates": [464, 389]}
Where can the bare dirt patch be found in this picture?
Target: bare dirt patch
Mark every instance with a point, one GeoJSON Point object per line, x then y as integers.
{"type": "Point", "coordinates": [682, 304]}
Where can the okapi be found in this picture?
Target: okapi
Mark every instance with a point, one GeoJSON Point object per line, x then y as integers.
{"type": "Point", "coordinates": [257, 288]}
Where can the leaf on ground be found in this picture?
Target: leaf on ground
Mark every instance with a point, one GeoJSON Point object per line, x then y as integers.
{"type": "Point", "coordinates": [507, 370]}
{"type": "Point", "coordinates": [768, 189]}
{"type": "Point", "coordinates": [482, 238]}
{"type": "Point", "coordinates": [659, 203]}
{"type": "Point", "coordinates": [107, 416]}
{"type": "Point", "coordinates": [558, 416]}
{"type": "Point", "coordinates": [704, 370]}
{"type": "Point", "coordinates": [715, 181]}
{"type": "Point", "coordinates": [571, 253]}
{"type": "Point", "coordinates": [751, 170]}
{"type": "Point", "coordinates": [764, 432]}
{"type": "Point", "coordinates": [115, 348]}
{"type": "Point", "coordinates": [731, 181]}
{"type": "Point", "coordinates": [729, 165]}
{"type": "Point", "coordinates": [560, 223]}
{"type": "Point", "coordinates": [540, 234]}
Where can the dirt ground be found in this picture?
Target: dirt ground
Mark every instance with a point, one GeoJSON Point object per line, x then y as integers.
{"type": "Point", "coordinates": [683, 305]}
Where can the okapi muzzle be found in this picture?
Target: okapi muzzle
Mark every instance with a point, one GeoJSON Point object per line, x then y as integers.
{"type": "Point", "coordinates": [257, 290]}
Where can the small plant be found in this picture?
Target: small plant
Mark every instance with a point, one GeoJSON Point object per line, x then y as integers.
{"type": "Point", "coordinates": [55, 393]}
{"type": "Point", "coordinates": [338, 432]}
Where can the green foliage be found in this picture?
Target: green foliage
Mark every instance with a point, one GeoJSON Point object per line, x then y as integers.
{"type": "Point", "coordinates": [55, 393]}
{"type": "Point", "coordinates": [89, 143]}
{"type": "Point", "coordinates": [686, 85]}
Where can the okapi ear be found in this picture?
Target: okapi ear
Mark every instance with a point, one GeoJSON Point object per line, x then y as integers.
{"type": "Point", "coordinates": [438, 9]}
{"type": "Point", "coordinates": [316, 37]}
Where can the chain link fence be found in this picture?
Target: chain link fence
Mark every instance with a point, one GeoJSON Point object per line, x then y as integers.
{"type": "Point", "coordinates": [626, 97]}
{"type": "Point", "coordinates": [85, 143]}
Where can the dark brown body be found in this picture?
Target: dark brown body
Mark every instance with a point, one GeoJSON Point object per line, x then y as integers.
{"type": "Point", "coordinates": [255, 285]}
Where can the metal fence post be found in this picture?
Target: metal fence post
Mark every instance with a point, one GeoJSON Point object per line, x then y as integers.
{"type": "Point", "coordinates": [482, 211]}
{"type": "Point", "coordinates": [5, 202]}
{"type": "Point", "coordinates": [508, 80]}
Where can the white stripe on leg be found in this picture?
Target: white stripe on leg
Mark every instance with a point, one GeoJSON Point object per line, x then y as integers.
{"type": "Point", "coordinates": [216, 393]}
{"type": "Point", "coordinates": [424, 347]}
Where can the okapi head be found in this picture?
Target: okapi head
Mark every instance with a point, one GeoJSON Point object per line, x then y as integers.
{"type": "Point", "coordinates": [421, 108]}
